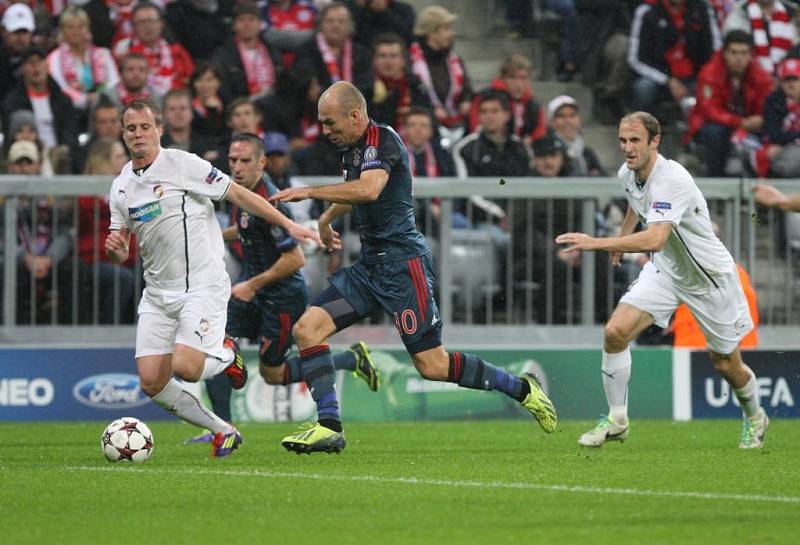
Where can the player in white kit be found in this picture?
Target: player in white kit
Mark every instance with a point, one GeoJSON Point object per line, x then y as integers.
{"type": "Point", "coordinates": [164, 197]}
{"type": "Point", "coordinates": [689, 265]}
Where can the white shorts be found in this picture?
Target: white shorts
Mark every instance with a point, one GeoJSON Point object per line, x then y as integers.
{"type": "Point", "coordinates": [197, 319]}
{"type": "Point", "coordinates": [722, 312]}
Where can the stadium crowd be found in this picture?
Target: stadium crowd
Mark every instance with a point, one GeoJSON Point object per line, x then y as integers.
{"type": "Point", "coordinates": [726, 71]}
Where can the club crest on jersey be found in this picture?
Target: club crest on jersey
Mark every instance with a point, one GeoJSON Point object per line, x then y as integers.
{"type": "Point", "coordinates": [277, 233]}
{"type": "Point", "coordinates": [356, 158]}
{"type": "Point", "coordinates": [213, 176]}
{"type": "Point", "coordinates": [370, 153]}
{"type": "Point", "coordinates": [145, 213]}
{"type": "Point", "coordinates": [158, 191]}
{"type": "Point", "coordinates": [244, 220]}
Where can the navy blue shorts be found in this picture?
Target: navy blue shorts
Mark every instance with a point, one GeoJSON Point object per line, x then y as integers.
{"type": "Point", "coordinates": [403, 289]}
{"type": "Point", "coordinates": [267, 323]}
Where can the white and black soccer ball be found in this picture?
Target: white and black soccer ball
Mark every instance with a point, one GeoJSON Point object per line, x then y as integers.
{"type": "Point", "coordinates": [127, 439]}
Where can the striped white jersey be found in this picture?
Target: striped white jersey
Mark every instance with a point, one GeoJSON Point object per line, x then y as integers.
{"type": "Point", "coordinates": [168, 207]}
{"type": "Point", "coordinates": [693, 257]}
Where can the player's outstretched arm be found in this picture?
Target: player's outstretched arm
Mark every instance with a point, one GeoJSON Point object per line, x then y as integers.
{"type": "Point", "coordinates": [771, 197]}
{"type": "Point", "coordinates": [330, 238]}
{"type": "Point", "coordinates": [258, 206]}
{"type": "Point", "coordinates": [366, 189]}
{"type": "Point", "coordinates": [651, 239]}
{"type": "Point", "coordinates": [117, 245]}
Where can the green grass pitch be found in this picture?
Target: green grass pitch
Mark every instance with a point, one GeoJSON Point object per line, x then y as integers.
{"type": "Point", "coordinates": [478, 482]}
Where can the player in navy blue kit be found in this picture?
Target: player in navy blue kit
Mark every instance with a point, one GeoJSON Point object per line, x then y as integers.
{"type": "Point", "coordinates": [270, 294]}
{"type": "Point", "coordinates": [395, 272]}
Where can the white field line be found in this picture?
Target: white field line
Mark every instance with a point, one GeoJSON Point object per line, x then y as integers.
{"type": "Point", "coordinates": [452, 483]}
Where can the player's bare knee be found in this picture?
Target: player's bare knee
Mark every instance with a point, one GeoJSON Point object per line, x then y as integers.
{"type": "Point", "coordinates": [430, 370]}
{"type": "Point", "coordinates": [305, 334]}
{"type": "Point", "coordinates": [185, 369]}
{"type": "Point", "coordinates": [271, 374]}
{"type": "Point", "coordinates": [615, 337]}
{"type": "Point", "coordinates": [723, 363]}
{"type": "Point", "coordinates": [152, 385]}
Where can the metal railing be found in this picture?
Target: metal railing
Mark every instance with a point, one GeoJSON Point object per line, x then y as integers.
{"type": "Point", "coordinates": [483, 279]}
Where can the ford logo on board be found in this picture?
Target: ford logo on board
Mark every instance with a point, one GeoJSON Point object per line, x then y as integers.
{"type": "Point", "coordinates": [110, 391]}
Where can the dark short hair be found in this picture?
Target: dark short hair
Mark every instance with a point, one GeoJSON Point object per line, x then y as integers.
{"type": "Point", "coordinates": [737, 37]}
{"type": "Point", "coordinates": [251, 138]}
{"type": "Point", "coordinates": [493, 94]}
{"type": "Point", "coordinates": [141, 104]}
{"type": "Point", "coordinates": [648, 120]}
{"type": "Point", "coordinates": [237, 102]}
{"type": "Point", "coordinates": [422, 110]}
{"type": "Point", "coordinates": [388, 38]}
{"type": "Point", "coordinates": [246, 7]}
{"type": "Point", "coordinates": [144, 4]}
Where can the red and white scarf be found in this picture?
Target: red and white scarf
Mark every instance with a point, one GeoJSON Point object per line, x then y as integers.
{"type": "Point", "coordinates": [122, 19]}
{"type": "Point", "coordinates": [331, 63]}
{"type": "Point", "coordinates": [680, 65]}
{"type": "Point", "coordinates": [258, 67]}
{"type": "Point", "coordinates": [431, 166]}
{"type": "Point", "coordinates": [771, 47]}
{"type": "Point", "coordinates": [126, 97]}
{"type": "Point", "coordinates": [71, 66]}
{"type": "Point", "coordinates": [420, 67]}
{"type": "Point", "coordinates": [161, 61]}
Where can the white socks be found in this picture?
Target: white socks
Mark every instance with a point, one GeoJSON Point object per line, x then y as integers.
{"type": "Point", "coordinates": [187, 407]}
{"type": "Point", "coordinates": [214, 366]}
{"type": "Point", "coordinates": [748, 395]}
{"type": "Point", "coordinates": [616, 375]}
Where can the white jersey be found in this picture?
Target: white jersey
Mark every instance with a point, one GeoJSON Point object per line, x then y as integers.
{"type": "Point", "coordinates": [168, 207]}
{"type": "Point", "coordinates": [693, 257]}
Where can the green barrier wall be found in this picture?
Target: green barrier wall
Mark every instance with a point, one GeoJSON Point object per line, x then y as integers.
{"type": "Point", "coordinates": [571, 378]}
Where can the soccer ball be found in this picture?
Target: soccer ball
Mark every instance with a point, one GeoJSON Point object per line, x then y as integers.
{"type": "Point", "coordinates": [127, 439]}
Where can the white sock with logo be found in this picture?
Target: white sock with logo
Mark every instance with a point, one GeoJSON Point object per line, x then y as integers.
{"type": "Point", "coordinates": [748, 395]}
{"type": "Point", "coordinates": [187, 407]}
{"type": "Point", "coordinates": [616, 372]}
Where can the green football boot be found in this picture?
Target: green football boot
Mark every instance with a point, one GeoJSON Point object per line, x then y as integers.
{"type": "Point", "coordinates": [539, 405]}
{"type": "Point", "coordinates": [314, 438]}
{"type": "Point", "coordinates": [365, 367]}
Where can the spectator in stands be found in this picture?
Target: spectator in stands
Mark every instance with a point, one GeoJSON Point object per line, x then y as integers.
{"type": "Point", "coordinates": [567, 56]}
{"type": "Point", "coordinates": [290, 23]}
{"type": "Point", "coordinates": [293, 109]}
{"type": "Point", "coordinates": [426, 158]}
{"type": "Point", "coordinates": [56, 119]}
{"type": "Point", "coordinates": [170, 64]}
{"type": "Point", "coordinates": [527, 119]}
{"type": "Point", "coordinates": [22, 126]}
{"type": "Point", "coordinates": [178, 132]}
{"type": "Point", "coordinates": [207, 104]}
{"type": "Point", "coordinates": [670, 42]}
{"type": "Point", "coordinates": [731, 90]}
{"type": "Point", "coordinates": [248, 66]}
{"type": "Point", "coordinates": [782, 124]}
{"type": "Point", "coordinates": [332, 55]}
{"type": "Point", "coordinates": [603, 47]}
{"type": "Point", "coordinates": [110, 21]}
{"type": "Point", "coordinates": [565, 119]}
{"type": "Point", "coordinates": [276, 148]}
{"type": "Point", "coordinates": [771, 23]}
{"type": "Point", "coordinates": [243, 117]}
{"type": "Point", "coordinates": [104, 124]}
{"type": "Point", "coordinates": [44, 248]}
{"type": "Point", "coordinates": [197, 26]}
{"type": "Point", "coordinates": [134, 81]}
{"type": "Point", "coordinates": [17, 32]}
{"type": "Point", "coordinates": [375, 17]}
{"type": "Point", "coordinates": [491, 152]}
{"type": "Point", "coordinates": [395, 89]}
{"type": "Point", "coordinates": [81, 69]}
{"type": "Point", "coordinates": [440, 69]}
{"type": "Point", "coordinates": [99, 276]}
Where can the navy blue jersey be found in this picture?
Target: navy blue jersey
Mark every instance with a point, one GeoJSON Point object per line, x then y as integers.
{"type": "Point", "coordinates": [386, 226]}
{"type": "Point", "coordinates": [263, 244]}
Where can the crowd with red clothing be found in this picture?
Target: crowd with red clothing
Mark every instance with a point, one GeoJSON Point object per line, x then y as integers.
{"type": "Point", "coordinates": [221, 67]}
